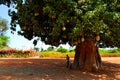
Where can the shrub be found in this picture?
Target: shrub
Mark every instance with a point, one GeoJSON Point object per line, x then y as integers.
{"type": "Point", "coordinates": [51, 48]}
{"type": "Point", "coordinates": [17, 53]}
{"type": "Point", "coordinates": [62, 50]}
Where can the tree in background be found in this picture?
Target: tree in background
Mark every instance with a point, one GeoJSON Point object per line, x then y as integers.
{"type": "Point", "coordinates": [51, 48]}
{"type": "Point", "coordinates": [78, 22]}
{"type": "Point", "coordinates": [36, 49]}
{"type": "Point", "coordinates": [3, 28]}
{"type": "Point", "coordinates": [3, 41]}
{"type": "Point", "coordinates": [62, 50]}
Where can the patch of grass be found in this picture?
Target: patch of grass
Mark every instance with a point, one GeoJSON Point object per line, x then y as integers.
{"type": "Point", "coordinates": [54, 54]}
{"type": "Point", "coordinates": [109, 53]}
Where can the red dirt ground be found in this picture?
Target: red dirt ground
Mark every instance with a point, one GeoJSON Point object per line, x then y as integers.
{"type": "Point", "coordinates": [54, 69]}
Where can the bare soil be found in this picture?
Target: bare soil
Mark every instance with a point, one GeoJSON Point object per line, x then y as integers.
{"type": "Point", "coordinates": [55, 69]}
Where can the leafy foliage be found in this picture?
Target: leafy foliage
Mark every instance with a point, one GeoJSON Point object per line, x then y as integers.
{"type": "Point", "coordinates": [36, 49]}
{"type": "Point", "coordinates": [60, 21]}
{"type": "Point", "coordinates": [62, 50]}
{"type": "Point", "coordinates": [51, 48]}
{"type": "Point", "coordinates": [3, 27]}
{"type": "Point", "coordinates": [3, 41]}
{"type": "Point", "coordinates": [6, 2]}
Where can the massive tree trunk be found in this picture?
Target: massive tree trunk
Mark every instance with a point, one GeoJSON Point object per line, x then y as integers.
{"type": "Point", "coordinates": [87, 56]}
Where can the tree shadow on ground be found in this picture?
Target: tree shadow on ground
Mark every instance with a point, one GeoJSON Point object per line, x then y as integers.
{"type": "Point", "coordinates": [111, 70]}
{"type": "Point", "coordinates": [53, 69]}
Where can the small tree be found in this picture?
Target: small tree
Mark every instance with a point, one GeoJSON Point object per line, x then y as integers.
{"type": "Point", "coordinates": [3, 39]}
{"type": "Point", "coordinates": [3, 26]}
{"type": "Point", "coordinates": [51, 48]}
{"type": "Point", "coordinates": [36, 49]}
{"type": "Point", "coordinates": [62, 50]}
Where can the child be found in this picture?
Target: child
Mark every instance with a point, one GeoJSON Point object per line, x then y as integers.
{"type": "Point", "coordinates": [67, 61]}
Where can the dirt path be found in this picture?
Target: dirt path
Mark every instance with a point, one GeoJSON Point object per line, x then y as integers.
{"type": "Point", "coordinates": [54, 69]}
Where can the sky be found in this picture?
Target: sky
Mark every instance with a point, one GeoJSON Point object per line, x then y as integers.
{"type": "Point", "coordinates": [17, 41]}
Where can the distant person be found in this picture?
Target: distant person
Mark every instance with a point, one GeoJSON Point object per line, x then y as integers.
{"type": "Point", "coordinates": [67, 61]}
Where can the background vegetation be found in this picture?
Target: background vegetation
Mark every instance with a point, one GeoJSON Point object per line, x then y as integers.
{"type": "Point", "coordinates": [52, 52]}
{"type": "Point", "coordinates": [11, 53]}
{"type": "Point", "coordinates": [62, 52]}
{"type": "Point", "coordinates": [109, 53]}
{"type": "Point", "coordinates": [3, 39]}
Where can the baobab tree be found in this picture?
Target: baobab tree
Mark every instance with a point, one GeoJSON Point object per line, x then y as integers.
{"type": "Point", "coordinates": [81, 23]}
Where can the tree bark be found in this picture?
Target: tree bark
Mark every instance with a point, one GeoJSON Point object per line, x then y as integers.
{"type": "Point", "coordinates": [87, 56]}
